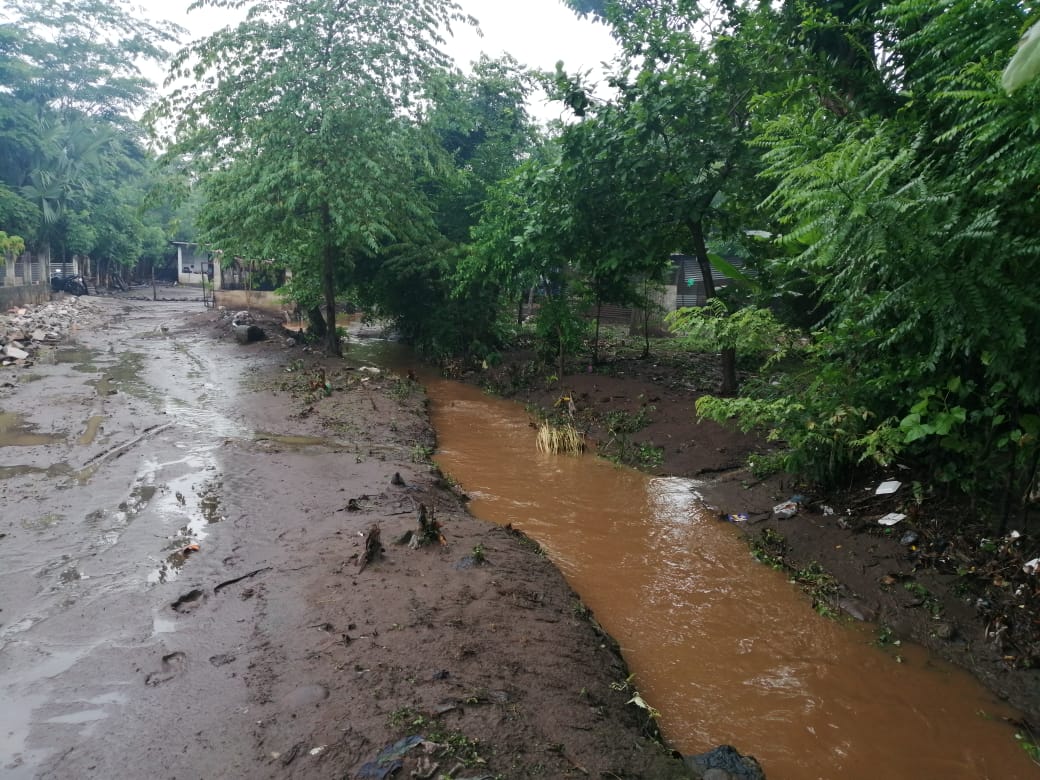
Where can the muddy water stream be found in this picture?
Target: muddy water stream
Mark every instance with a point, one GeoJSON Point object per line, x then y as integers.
{"type": "Point", "coordinates": [725, 648]}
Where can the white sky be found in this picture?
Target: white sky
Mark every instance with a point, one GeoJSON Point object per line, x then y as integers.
{"type": "Point", "coordinates": [538, 33]}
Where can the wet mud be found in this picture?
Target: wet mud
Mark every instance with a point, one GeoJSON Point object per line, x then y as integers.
{"type": "Point", "coordinates": [181, 582]}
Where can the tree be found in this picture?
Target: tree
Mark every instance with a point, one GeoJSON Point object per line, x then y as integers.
{"type": "Point", "coordinates": [913, 215]}
{"type": "Point", "coordinates": [304, 127]}
{"type": "Point", "coordinates": [477, 130]}
{"type": "Point", "coordinates": [72, 78]}
{"type": "Point", "coordinates": [675, 138]}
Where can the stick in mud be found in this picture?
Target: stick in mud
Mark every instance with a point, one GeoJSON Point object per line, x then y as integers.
{"type": "Point", "coordinates": [225, 583]}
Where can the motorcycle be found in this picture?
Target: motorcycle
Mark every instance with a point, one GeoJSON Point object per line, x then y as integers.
{"type": "Point", "coordinates": [74, 284]}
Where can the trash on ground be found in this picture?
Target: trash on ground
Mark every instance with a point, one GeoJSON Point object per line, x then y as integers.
{"type": "Point", "coordinates": [886, 488]}
{"type": "Point", "coordinates": [1031, 567]}
{"type": "Point", "coordinates": [909, 538]}
{"type": "Point", "coordinates": [389, 762]}
{"type": "Point", "coordinates": [786, 510]}
{"type": "Point", "coordinates": [827, 510]}
{"type": "Point", "coordinates": [891, 518]}
{"type": "Point", "coordinates": [737, 518]}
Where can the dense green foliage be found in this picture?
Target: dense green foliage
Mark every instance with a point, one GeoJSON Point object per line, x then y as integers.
{"type": "Point", "coordinates": [898, 180]}
{"type": "Point", "coordinates": [73, 170]}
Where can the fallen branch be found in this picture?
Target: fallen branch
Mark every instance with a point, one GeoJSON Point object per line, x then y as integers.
{"type": "Point", "coordinates": [226, 583]}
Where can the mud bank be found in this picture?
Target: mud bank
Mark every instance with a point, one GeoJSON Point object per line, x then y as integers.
{"type": "Point", "coordinates": [230, 578]}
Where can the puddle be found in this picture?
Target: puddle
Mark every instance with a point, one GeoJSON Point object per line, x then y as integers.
{"type": "Point", "coordinates": [294, 441]}
{"type": "Point", "coordinates": [79, 355]}
{"type": "Point", "coordinates": [93, 424]}
{"type": "Point", "coordinates": [200, 506]}
{"type": "Point", "coordinates": [15, 432]}
{"type": "Point", "coordinates": [43, 521]}
{"type": "Point", "coordinates": [125, 377]}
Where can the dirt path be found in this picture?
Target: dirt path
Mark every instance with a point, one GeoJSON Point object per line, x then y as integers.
{"type": "Point", "coordinates": [192, 586]}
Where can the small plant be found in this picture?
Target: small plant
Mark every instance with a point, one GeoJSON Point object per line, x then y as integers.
{"type": "Point", "coordinates": [557, 439]}
{"type": "Point", "coordinates": [926, 597]}
{"type": "Point", "coordinates": [649, 456]}
{"type": "Point", "coordinates": [1029, 744]}
{"type": "Point", "coordinates": [421, 453]}
{"type": "Point", "coordinates": [769, 548]}
{"type": "Point", "coordinates": [454, 744]}
{"type": "Point", "coordinates": [886, 637]}
{"type": "Point", "coordinates": [478, 555]}
{"type": "Point", "coordinates": [762, 465]}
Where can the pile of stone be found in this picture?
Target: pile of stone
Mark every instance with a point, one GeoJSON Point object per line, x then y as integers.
{"type": "Point", "coordinates": [24, 330]}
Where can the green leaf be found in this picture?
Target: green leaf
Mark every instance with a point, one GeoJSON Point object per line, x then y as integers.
{"type": "Point", "coordinates": [733, 272]}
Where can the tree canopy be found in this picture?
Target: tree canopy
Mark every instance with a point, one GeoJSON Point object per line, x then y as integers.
{"type": "Point", "coordinates": [301, 123]}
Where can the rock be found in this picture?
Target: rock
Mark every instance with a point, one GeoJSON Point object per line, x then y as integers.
{"type": "Point", "coordinates": [247, 333]}
{"type": "Point", "coordinates": [39, 335]}
{"type": "Point", "coordinates": [856, 609]}
{"type": "Point", "coordinates": [727, 760]}
{"type": "Point", "coordinates": [945, 631]}
{"type": "Point", "coordinates": [12, 351]}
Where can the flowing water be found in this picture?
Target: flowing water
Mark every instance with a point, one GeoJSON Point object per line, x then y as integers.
{"type": "Point", "coordinates": [725, 648]}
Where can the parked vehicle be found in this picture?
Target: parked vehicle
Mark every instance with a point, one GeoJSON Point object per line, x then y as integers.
{"type": "Point", "coordinates": [70, 283]}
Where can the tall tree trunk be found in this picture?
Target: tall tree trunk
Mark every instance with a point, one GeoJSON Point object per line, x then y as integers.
{"type": "Point", "coordinates": [333, 348]}
{"type": "Point", "coordinates": [316, 322]}
{"type": "Point", "coordinates": [595, 341]}
{"type": "Point", "coordinates": [729, 354]}
{"type": "Point", "coordinates": [559, 364]}
{"type": "Point", "coordinates": [700, 251]}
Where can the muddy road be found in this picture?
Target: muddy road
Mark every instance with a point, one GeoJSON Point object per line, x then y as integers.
{"type": "Point", "coordinates": [114, 465]}
{"type": "Point", "coordinates": [182, 592]}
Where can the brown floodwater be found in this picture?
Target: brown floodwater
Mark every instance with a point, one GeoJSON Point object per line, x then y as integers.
{"type": "Point", "coordinates": [725, 648]}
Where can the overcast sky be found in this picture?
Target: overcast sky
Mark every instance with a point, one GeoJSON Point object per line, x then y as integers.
{"type": "Point", "coordinates": [538, 33]}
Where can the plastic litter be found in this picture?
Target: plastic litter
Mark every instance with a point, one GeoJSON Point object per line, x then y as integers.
{"type": "Point", "coordinates": [886, 488]}
{"type": "Point", "coordinates": [389, 761]}
{"type": "Point", "coordinates": [786, 510]}
{"type": "Point", "coordinates": [1031, 566]}
{"type": "Point", "coordinates": [827, 510]}
{"type": "Point", "coordinates": [738, 518]}
{"type": "Point", "coordinates": [909, 538]}
{"type": "Point", "coordinates": [891, 518]}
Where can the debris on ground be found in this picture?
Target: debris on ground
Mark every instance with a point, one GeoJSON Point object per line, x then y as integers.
{"type": "Point", "coordinates": [891, 518]}
{"type": "Point", "coordinates": [788, 509]}
{"type": "Point", "coordinates": [390, 759]}
{"type": "Point", "coordinates": [373, 548]}
{"type": "Point", "coordinates": [725, 763]}
{"type": "Point", "coordinates": [24, 330]}
{"type": "Point", "coordinates": [429, 532]}
{"type": "Point", "coordinates": [244, 326]}
{"type": "Point", "coordinates": [888, 487]}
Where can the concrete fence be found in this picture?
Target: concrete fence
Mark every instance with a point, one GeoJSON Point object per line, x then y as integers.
{"type": "Point", "coordinates": [254, 300]}
{"type": "Point", "coordinates": [23, 295]}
